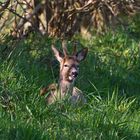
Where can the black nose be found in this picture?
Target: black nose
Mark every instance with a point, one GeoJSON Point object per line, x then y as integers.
{"type": "Point", "coordinates": [75, 74]}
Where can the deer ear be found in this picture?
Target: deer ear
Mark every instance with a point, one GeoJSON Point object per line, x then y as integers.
{"type": "Point", "coordinates": [57, 54]}
{"type": "Point", "coordinates": [81, 55]}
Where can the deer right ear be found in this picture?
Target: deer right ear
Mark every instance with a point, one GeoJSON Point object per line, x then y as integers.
{"type": "Point", "coordinates": [57, 54]}
{"type": "Point", "coordinates": [81, 55]}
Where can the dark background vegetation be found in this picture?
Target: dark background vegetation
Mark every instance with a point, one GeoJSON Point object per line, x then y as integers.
{"type": "Point", "coordinates": [109, 77]}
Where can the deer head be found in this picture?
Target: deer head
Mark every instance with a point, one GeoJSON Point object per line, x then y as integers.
{"type": "Point", "coordinates": [69, 64]}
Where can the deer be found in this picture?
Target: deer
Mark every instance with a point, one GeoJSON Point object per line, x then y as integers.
{"type": "Point", "coordinates": [68, 72]}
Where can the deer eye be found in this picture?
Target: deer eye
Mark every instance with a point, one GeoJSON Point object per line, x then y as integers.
{"type": "Point", "coordinates": [66, 65]}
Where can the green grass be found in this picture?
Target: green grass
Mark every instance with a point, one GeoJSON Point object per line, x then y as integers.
{"type": "Point", "coordinates": [109, 78]}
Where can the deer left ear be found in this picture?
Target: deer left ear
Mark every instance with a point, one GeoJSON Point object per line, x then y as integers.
{"type": "Point", "coordinates": [81, 55]}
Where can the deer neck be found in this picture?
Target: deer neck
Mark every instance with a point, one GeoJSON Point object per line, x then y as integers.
{"type": "Point", "coordinates": [65, 86]}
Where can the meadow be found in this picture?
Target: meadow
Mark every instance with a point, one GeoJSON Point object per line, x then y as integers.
{"type": "Point", "coordinates": [109, 78]}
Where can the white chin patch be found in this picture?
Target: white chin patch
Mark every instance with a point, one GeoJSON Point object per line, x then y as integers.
{"type": "Point", "coordinates": [70, 78]}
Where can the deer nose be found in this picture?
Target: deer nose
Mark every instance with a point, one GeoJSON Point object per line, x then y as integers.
{"type": "Point", "coordinates": [75, 74]}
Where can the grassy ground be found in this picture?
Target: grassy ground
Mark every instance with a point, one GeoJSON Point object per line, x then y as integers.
{"type": "Point", "coordinates": [109, 79]}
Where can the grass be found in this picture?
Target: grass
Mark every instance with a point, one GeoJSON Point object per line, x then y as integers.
{"type": "Point", "coordinates": [109, 79]}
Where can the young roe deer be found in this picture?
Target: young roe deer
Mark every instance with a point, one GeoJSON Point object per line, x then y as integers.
{"type": "Point", "coordinates": [69, 69]}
